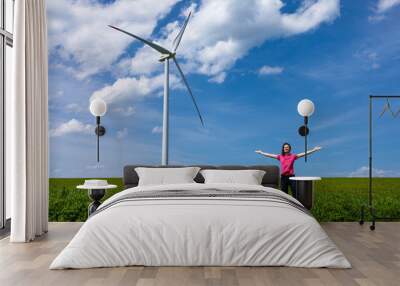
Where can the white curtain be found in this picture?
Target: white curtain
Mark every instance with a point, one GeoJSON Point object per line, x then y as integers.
{"type": "Point", "coordinates": [26, 122]}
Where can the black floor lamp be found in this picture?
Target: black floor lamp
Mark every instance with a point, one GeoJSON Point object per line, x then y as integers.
{"type": "Point", "coordinates": [98, 108]}
{"type": "Point", "coordinates": [305, 108]}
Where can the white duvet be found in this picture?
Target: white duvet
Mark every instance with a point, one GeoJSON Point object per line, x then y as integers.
{"type": "Point", "coordinates": [200, 231]}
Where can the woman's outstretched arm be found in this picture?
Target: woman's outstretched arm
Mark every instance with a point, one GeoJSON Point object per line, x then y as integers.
{"type": "Point", "coordinates": [315, 149]}
{"type": "Point", "coordinates": [274, 156]}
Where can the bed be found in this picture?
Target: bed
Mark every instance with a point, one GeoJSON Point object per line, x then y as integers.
{"type": "Point", "coordinates": [198, 224]}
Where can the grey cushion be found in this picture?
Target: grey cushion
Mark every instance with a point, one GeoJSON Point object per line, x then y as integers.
{"type": "Point", "coordinates": [270, 179]}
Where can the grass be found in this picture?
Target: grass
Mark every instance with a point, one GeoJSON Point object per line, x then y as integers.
{"type": "Point", "coordinates": [339, 199]}
{"type": "Point", "coordinates": [336, 199]}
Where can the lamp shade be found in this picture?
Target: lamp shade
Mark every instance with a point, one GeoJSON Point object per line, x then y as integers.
{"type": "Point", "coordinates": [305, 107]}
{"type": "Point", "coordinates": [98, 107]}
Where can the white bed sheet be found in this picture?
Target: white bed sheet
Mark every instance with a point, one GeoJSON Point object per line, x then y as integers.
{"type": "Point", "coordinates": [200, 231]}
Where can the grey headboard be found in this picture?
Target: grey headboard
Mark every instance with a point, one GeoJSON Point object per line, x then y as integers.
{"type": "Point", "coordinates": [271, 177]}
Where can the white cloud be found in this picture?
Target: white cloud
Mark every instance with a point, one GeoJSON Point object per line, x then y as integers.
{"type": "Point", "coordinates": [54, 172]}
{"type": "Point", "coordinates": [70, 127]}
{"type": "Point", "coordinates": [372, 56]}
{"type": "Point", "coordinates": [95, 166]}
{"type": "Point", "coordinates": [333, 141]}
{"type": "Point", "coordinates": [124, 111]}
{"type": "Point", "coordinates": [369, 57]}
{"type": "Point", "coordinates": [364, 170]}
{"type": "Point", "coordinates": [375, 66]}
{"type": "Point", "coordinates": [221, 32]}
{"type": "Point", "coordinates": [376, 17]}
{"type": "Point", "coordinates": [144, 62]}
{"type": "Point", "coordinates": [381, 8]}
{"type": "Point", "coordinates": [79, 35]}
{"type": "Point", "coordinates": [121, 134]}
{"type": "Point", "coordinates": [268, 70]}
{"type": "Point", "coordinates": [220, 78]}
{"type": "Point", "coordinates": [57, 94]}
{"type": "Point", "coordinates": [134, 88]}
{"type": "Point", "coordinates": [385, 5]}
{"type": "Point", "coordinates": [156, 130]}
{"type": "Point", "coordinates": [340, 118]}
{"type": "Point", "coordinates": [74, 108]}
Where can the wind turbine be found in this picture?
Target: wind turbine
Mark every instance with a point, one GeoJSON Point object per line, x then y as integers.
{"type": "Point", "coordinates": [167, 55]}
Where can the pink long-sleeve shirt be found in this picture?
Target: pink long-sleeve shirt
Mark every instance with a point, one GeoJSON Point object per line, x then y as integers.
{"type": "Point", "coordinates": [287, 163]}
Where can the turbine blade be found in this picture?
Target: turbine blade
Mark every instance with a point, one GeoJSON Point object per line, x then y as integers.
{"type": "Point", "coordinates": [180, 34]}
{"type": "Point", "coordinates": [190, 91]}
{"type": "Point", "coordinates": [151, 44]}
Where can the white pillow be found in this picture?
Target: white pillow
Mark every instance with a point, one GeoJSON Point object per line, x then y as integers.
{"type": "Point", "coordinates": [248, 177]}
{"type": "Point", "coordinates": [165, 176]}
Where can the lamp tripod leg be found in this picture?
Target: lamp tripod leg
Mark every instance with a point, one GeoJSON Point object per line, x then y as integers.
{"type": "Point", "coordinates": [361, 222]}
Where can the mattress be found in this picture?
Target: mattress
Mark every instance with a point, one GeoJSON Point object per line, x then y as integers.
{"type": "Point", "coordinates": [201, 225]}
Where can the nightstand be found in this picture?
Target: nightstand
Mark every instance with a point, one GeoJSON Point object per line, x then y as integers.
{"type": "Point", "coordinates": [305, 190]}
{"type": "Point", "coordinates": [96, 191]}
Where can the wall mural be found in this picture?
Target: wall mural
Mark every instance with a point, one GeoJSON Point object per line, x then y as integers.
{"type": "Point", "coordinates": [248, 64]}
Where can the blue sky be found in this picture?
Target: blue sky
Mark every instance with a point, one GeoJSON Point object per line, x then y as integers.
{"type": "Point", "coordinates": [249, 64]}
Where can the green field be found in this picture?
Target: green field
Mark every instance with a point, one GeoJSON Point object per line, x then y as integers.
{"type": "Point", "coordinates": [336, 199]}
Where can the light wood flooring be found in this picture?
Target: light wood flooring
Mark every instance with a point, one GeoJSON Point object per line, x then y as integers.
{"type": "Point", "coordinates": [375, 257]}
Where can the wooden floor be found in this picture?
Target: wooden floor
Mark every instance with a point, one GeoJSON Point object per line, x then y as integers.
{"type": "Point", "coordinates": [375, 257]}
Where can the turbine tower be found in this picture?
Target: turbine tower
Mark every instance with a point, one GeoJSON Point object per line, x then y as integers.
{"type": "Point", "coordinates": [165, 57]}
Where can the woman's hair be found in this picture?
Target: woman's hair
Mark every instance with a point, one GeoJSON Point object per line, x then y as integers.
{"type": "Point", "coordinates": [283, 146]}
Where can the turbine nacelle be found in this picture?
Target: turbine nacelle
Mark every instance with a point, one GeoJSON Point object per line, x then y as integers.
{"type": "Point", "coordinates": [164, 57]}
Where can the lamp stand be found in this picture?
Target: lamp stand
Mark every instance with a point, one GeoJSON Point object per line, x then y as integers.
{"type": "Point", "coordinates": [98, 137]}
{"type": "Point", "coordinates": [100, 131]}
{"type": "Point", "coordinates": [305, 137]}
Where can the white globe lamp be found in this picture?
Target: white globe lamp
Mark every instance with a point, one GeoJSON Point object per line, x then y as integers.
{"type": "Point", "coordinates": [305, 108]}
{"type": "Point", "coordinates": [98, 107]}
